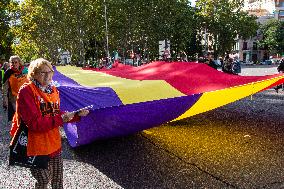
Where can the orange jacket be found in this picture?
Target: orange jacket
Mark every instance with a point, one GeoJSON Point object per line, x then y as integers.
{"type": "Point", "coordinates": [41, 113]}
{"type": "Point", "coordinates": [16, 81]}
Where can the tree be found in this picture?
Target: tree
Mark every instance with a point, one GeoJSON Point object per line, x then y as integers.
{"type": "Point", "coordinates": [139, 24]}
{"type": "Point", "coordinates": [5, 36]}
{"type": "Point", "coordinates": [226, 22]}
{"type": "Point", "coordinates": [273, 36]}
{"type": "Point", "coordinates": [26, 28]}
{"type": "Point", "coordinates": [48, 27]}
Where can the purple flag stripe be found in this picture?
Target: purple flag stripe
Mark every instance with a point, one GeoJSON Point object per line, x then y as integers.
{"type": "Point", "coordinates": [74, 96]}
{"type": "Point", "coordinates": [126, 119]}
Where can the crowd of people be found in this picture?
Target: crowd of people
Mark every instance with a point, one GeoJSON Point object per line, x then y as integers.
{"type": "Point", "coordinates": [228, 65]}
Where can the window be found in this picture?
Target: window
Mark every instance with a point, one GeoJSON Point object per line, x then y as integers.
{"type": "Point", "coordinates": [245, 46]}
{"type": "Point", "coordinates": [279, 3]}
{"type": "Point", "coordinates": [254, 47]}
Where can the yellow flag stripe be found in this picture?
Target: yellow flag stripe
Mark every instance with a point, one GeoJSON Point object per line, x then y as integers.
{"type": "Point", "coordinates": [129, 91]}
{"type": "Point", "coordinates": [214, 99]}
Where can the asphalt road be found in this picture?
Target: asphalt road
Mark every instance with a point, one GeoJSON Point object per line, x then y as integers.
{"type": "Point", "coordinates": [236, 146]}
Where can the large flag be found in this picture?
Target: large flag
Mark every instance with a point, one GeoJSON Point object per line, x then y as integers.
{"type": "Point", "coordinates": [129, 99]}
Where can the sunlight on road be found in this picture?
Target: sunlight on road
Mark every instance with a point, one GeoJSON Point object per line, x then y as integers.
{"type": "Point", "coordinates": [259, 70]}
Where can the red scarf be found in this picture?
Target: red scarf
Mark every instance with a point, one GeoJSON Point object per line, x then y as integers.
{"type": "Point", "coordinates": [18, 71]}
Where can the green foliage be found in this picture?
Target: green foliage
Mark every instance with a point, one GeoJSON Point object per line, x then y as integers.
{"type": "Point", "coordinates": [5, 36]}
{"type": "Point", "coordinates": [46, 28]}
{"type": "Point", "coordinates": [226, 22]}
{"type": "Point", "coordinates": [79, 26]}
{"type": "Point", "coordinates": [273, 36]}
{"type": "Point", "coordinates": [141, 24]}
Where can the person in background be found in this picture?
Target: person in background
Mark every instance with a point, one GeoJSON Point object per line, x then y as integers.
{"type": "Point", "coordinates": [280, 69]}
{"type": "Point", "coordinates": [210, 61]}
{"type": "Point", "coordinates": [221, 62]}
{"type": "Point", "coordinates": [38, 107]}
{"type": "Point", "coordinates": [14, 77]}
{"type": "Point", "coordinates": [227, 66]}
{"type": "Point", "coordinates": [166, 55]}
{"type": "Point", "coordinates": [138, 59]}
{"type": "Point", "coordinates": [4, 67]}
{"type": "Point", "coordinates": [212, 64]}
{"type": "Point", "coordinates": [236, 67]}
{"type": "Point", "coordinates": [183, 56]}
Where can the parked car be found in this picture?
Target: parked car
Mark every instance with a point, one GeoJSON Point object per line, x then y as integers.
{"type": "Point", "coordinates": [218, 63]}
{"type": "Point", "coordinates": [266, 62]}
{"type": "Point", "coordinates": [246, 62]}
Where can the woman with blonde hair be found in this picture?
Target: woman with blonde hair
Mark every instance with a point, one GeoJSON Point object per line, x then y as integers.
{"type": "Point", "coordinates": [14, 77]}
{"type": "Point", "coordinates": [38, 107]}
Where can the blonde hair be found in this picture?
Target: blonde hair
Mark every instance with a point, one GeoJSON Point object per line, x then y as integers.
{"type": "Point", "coordinates": [36, 65]}
{"type": "Point", "coordinates": [15, 57]}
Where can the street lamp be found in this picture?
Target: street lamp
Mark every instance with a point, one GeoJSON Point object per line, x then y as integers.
{"type": "Point", "coordinates": [106, 27]}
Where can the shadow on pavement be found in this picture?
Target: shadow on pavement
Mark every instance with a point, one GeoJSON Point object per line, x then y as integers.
{"type": "Point", "coordinates": [134, 162]}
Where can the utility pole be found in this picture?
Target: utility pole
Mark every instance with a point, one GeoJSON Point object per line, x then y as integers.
{"type": "Point", "coordinates": [106, 27]}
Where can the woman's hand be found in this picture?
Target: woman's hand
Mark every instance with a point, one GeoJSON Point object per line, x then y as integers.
{"type": "Point", "coordinates": [83, 112]}
{"type": "Point", "coordinates": [67, 116]}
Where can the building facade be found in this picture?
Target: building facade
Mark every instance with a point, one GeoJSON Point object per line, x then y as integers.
{"type": "Point", "coordinates": [248, 50]}
{"type": "Point", "coordinates": [279, 9]}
